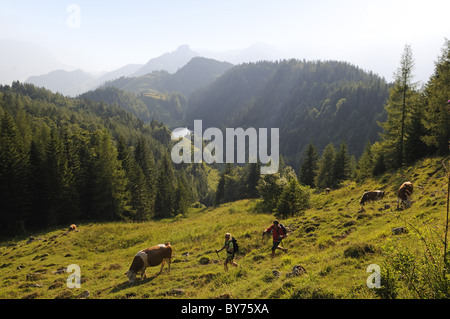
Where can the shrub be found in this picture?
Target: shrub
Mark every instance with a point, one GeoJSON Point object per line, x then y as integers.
{"type": "Point", "coordinates": [293, 199]}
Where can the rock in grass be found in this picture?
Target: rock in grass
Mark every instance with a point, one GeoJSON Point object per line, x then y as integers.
{"type": "Point", "coordinates": [399, 230]}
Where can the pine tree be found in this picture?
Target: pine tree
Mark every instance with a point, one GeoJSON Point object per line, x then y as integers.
{"type": "Point", "coordinates": [270, 187]}
{"type": "Point", "coordinates": [308, 167]}
{"type": "Point", "coordinates": [141, 201]}
{"type": "Point", "coordinates": [380, 165]}
{"type": "Point", "coordinates": [182, 196]}
{"type": "Point", "coordinates": [35, 186]}
{"type": "Point", "coordinates": [73, 178]}
{"type": "Point", "coordinates": [401, 99]}
{"type": "Point", "coordinates": [437, 110]}
{"type": "Point", "coordinates": [13, 195]}
{"type": "Point", "coordinates": [220, 191]}
{"type": "Point", "coordinates": [415, 147]}
{"type": "Point", "coordinates": [293, 199]}
{"type": "Point", "coordinates": [145, 160]}
{"type": "Point", "coordinates": [365, 164]}
{"type": "Point", "coordinates": [325, 171]}
{"type": "Point", "coordinates": [234, 185]}
{"type": "Point", "coordinates": [252, 178]}
{"type": "Point", "coordinates": [165, 189]}
{"type": "Point", "coordinates": [109, 182]}
{"type": "Point", "coordinates": [56, 178]}
{"type": "Point", "coordinates": [341, 166]}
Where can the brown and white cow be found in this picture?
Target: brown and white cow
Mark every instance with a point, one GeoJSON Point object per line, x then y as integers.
{"type": "Point", "coordinates": [404, 194]}
{"type": "Point", "coordinates": [72, 227]}
{"type": "Point", "coordinates": [150, 257]}
{"type": "Point", "coordinates": [371, 196]}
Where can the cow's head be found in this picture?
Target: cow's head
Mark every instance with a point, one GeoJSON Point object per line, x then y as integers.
{"type": "Point", "coordinates": [131, 275]}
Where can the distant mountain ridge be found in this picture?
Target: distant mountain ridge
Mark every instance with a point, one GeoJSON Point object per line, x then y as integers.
{"type": "Point", "coordinates": [69, 83]}
{"type": "Point", "coordinates": [169, 62]}
{"type": "Point", "coordinates": [160, 95]}
{"type": "Point", "coordinates": [16, 62]}
{"type": "Point", "coordinates": [76, 82]}
{"type": "Point", "coordinates": [123, 71]}
{"type": "Point", "coordinates": [197, 73]}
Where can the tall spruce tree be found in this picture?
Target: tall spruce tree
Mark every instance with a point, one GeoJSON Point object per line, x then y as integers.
{"type": "Point", "coordinates": [325, 171]}
{"type": "Point", "coordinates": [342, 166]}
{"type": "Point", "coordinates": [12, 177]}
{"type": "Point", "coordinates": [253, 174]}
{"type": "Point", "coordinates": [415, 147]}
{"type": "Point", "coordinates": [293, 199]}
{"type": "Point", "coordinates": [165, 189]}
{"type": "Point", "coordinates": [220, 191]}
{"type": "Point", "coordinates": [35, 186]}
{"type": "Point", "coordinates": [182, 196]}
{"type": "Point", "coordinates": [437, 109]}
{"type": "Point", "coordinates": [110, 193]}
{"type": "Point", "coordinates": [402, 97]}
{"type": "Point", "coordinates": [308, 167]}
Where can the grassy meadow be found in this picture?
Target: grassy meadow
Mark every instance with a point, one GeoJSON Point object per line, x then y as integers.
{"type": "Point", "coordinates": [334, 240]}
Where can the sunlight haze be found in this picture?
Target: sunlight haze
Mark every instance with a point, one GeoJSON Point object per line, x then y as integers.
{"type": "Point", "coordinates": [109, 35]}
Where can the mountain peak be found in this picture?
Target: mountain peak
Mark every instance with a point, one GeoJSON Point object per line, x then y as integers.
{"type": "Point", "coordinates": [183, 47]}
{"type": "Point", "coordinates": [169, 62]}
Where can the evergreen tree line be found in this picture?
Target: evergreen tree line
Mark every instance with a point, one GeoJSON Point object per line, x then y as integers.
{"type": "Point", "coordinates": [328, 171]}
{"type": "Point", "coordinates": [417, 125]}
{"type": "Point", "coordinates": [64, 160]}
{"type": "Point", "coordinates": [165, 107]}
{"type": "Point", "coordinates": [418, 119]}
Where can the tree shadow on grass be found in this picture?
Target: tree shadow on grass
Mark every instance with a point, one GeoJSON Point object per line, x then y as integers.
{"type": "Point", "coordinates": [137, 283]}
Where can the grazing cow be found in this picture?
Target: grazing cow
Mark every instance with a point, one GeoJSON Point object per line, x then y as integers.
{"type": "Point", "coordinates": [150, 257]}
{"type": "Point", "coordinates": [327, 190]}
{"type": "Point", "coordinates": [371, 196]}
{"type": "Point", "coordinates": [73, 227]}
{"type": "Point", "coordinates": [404, 193]}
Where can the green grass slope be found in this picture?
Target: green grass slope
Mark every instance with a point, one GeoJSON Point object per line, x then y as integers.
{"type": "Point", "coordinates": [333, 240]}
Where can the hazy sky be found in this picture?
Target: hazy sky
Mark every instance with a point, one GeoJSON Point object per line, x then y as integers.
{"type": "Point", "coordinates": [105, 35]}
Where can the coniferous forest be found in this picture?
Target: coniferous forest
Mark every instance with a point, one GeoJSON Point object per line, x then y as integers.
{"type": "Point", "coordinates": [65, 159]}
{"type": "Point", "coordinates": [93, 157]}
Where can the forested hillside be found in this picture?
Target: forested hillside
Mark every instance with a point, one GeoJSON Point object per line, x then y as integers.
{"type": "Point", "coordinates": [417, 125]}
{"type": "Point", "coordinates": [168, 108]}
{"type": "Point", "coordinates": [160, 95]}
{"type": "Point", "coordinates": [65, 159]}
{"type": "Point", "coordinates": [197, 73]}
{"type": "Point", "coordinates": [92, 158]}
{"type": "Point", "coordinates": [319, 102]}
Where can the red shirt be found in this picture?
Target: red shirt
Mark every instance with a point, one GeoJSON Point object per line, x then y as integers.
{"type": "Point", "coordinates": [277, 233]}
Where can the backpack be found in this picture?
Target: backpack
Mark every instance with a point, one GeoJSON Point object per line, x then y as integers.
{"type": "Point", "coordinates": [284, 229]}
{"type": "Point", "coordinates": [235, 245]}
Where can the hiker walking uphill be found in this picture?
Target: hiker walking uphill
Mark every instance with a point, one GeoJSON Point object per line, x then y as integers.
{"type": "Point", "coordinates": [278, 234]}
{"type": "Point", "coordinates": [231, 249]}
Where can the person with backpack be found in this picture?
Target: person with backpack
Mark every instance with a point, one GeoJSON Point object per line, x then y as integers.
{"type": "Point", "coordinates": [231, 249]}
{"type": "Point", "coordinates": [279, 232]}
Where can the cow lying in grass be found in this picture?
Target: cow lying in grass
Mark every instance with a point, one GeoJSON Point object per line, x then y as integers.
{"type": "Point", "coordinates": [150, 257]}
